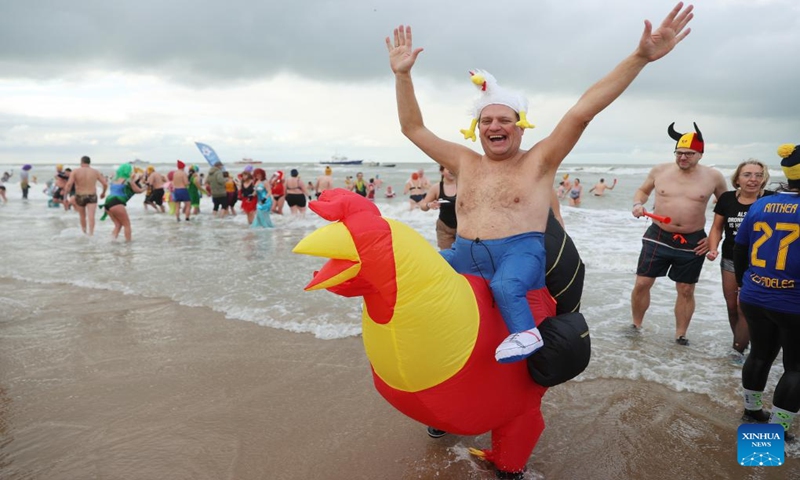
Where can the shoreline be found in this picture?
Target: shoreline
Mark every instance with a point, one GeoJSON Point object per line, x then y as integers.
{"type": "Point", "coordinates": [98, 384]}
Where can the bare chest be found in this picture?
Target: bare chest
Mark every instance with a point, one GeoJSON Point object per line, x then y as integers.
{"type": "Point", "coordinates": [496, 203]}
{"type": "Point", "coordinates": [685, 188]}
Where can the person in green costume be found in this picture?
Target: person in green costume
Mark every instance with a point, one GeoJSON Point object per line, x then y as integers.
{"type": "Point", "coordinates": [122, 189]}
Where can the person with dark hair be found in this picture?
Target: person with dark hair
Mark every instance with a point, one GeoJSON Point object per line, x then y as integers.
{"type": "Point", "coordinates": [750, 180]}
{"type": "Point", "coordinates": [442, 197]}
{"type": "Point", "coordinates": [24, 180]}
{"type": "Point", "coordinates": [575, 193]}
{"type": "Point", "coordinates": [766, 259]}
{"type": "Point", "coordinates": [6, 176]}
{"type": "Point", "coordinates": [215, 185]}
{"type": "Point", "coordinates": [359, 185]}
{"type": "Point", "coordinates": [85, 180]}
{"type": "Point", "coordinates": [600, 187]}
{"type": "Point", "coordinates": [195, 189]}
{"type": "Point", "coordinates": [677, 247]}
{"type": "Point", "coordinates": [296, 193]}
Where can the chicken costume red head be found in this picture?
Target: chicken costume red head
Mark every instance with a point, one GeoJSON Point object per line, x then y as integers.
{"type": "Point", "coordinates": [429, 332]}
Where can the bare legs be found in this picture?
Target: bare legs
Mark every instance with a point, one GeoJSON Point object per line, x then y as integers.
{"type": "Point", "coordinates": [187, 208]}
{"type": "Point", "coordinates": [640, 299]}
{"type": "Point", "coordinates": [741, 334]}
{"type": "Point", "coordinates": [684, 308]}
{"type": "Point", "coordinates": [684, 303]}
{"type": "Point", "coordinates": [91, 211]}
{"type": "Point", "coordinates": [119, 215]}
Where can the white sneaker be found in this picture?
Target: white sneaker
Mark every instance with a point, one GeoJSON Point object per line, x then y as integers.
{"type": "Point", "coordinates": [518, 346]}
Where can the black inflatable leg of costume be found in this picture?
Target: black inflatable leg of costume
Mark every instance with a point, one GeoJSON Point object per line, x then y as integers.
{"type": "Point", "coordinates": [564, 268]}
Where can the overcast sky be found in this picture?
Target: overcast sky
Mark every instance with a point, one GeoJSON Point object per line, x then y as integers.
{"type": "Point", "coordinates": [301, 81]}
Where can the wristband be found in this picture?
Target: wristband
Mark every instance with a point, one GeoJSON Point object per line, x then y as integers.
{"type": "Point", "coordinates": [637, 203]}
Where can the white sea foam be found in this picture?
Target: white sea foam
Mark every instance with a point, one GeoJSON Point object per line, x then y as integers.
{"type": "Point", "coordinates": [251, 275]}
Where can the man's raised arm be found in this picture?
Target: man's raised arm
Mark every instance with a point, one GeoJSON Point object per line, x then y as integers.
{"type": "Point", "coordinates": [652, 46]}
{"type": "Point", "coordinates": [401, 58]}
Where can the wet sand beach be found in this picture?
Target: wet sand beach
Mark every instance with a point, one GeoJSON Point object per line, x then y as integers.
{"type": "Point", "coordinates": [95, 384]}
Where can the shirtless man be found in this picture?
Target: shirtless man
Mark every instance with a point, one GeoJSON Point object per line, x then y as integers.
{"type": "Point", "coordinates": [156, 183]}
{"type": "Point", "coordinates": [324, 182]}
{"type": "Point", "coordinates": [180, 192]}
{"type": "Point", "coordinates": [683, 189]}
{"type": "Point", "coordinates": [504, 194]}
{"type": "Point", "coordinates": [600, 187]}
{"type": "Point", "coordinates": [85, 180]}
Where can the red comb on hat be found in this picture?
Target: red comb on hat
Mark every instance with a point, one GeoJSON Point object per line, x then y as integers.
{"type": "Point", "coordinates": [181, 165]}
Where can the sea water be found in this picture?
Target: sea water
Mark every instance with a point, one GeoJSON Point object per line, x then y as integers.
{"type": "Point", "coordinates": [251, 275]}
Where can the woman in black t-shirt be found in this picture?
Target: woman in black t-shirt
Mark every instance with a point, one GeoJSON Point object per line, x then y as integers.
{"type": "Point", "coordinates": [750, 180]}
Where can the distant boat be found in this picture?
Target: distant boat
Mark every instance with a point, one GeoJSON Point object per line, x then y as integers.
{"type": "Point", "coordinates": [340, 160]}
{"type": "Point", "coordinates": [379, 164]}
{"type": "Point", "coordinates": [248, 161]}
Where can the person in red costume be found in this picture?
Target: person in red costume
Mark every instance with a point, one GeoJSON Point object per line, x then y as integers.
{"type": "Point", "coordinates": [278, 186]}
{"type": "Point", "coordinates": [513, 242]}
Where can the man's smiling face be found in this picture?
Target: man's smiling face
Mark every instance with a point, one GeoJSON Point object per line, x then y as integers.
{"type": "Point", "coordinates": [500, 135]}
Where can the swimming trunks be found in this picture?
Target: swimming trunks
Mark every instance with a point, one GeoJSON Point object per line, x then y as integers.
{"type": "Point", "coordinates": [221, 201]}
{"type": "Point", "coordinates": [296, 200]}
{"type": "Point", "coordinates": [113, 202]}
{"type": "Point", "coordinates": [82, 200]}
{"type": "Point", "coordinates": [156, 197]}
{"type": "Point", "coordinates": [181, 195]}
{"type": "Point", "coordinates": [668, 253]}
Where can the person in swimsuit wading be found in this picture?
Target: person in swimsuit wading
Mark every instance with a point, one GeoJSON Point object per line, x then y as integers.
{"type": "Point", "coordinates": [682, 191]}
{"type": "Point", "coordinates": [85, 180]}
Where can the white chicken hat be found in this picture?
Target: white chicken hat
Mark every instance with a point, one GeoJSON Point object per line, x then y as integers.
{"type": "Point", "coordinates": [494, 94]}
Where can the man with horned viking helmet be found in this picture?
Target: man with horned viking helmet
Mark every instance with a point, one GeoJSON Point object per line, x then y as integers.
{"type": "Point", "coordinates": [675, 246]}
{"type": "Point", "coordinates": [504, 193]}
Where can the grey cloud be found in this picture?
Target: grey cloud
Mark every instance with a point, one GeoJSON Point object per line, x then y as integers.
{"type": "Point", "coordinates": [739, 61]}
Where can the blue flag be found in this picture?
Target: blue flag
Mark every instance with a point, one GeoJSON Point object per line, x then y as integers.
{"type": "Point", "coordinates": [209, 153]}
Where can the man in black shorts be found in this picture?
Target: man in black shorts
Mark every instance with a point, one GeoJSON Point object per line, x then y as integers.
{"type": "Point", "coordinates": [676, 247]}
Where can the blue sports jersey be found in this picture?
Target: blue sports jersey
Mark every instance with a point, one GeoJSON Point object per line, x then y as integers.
{"type": "Point", "coordinates": [771, 232]}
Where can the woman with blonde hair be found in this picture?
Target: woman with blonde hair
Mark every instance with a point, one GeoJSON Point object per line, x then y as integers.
{"type": "Point", "coordinates": [750, 180]}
